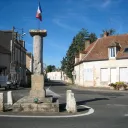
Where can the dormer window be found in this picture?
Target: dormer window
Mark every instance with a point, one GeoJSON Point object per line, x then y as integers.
{"type": "Point", "coordinates": [113, 48]}
{"type": "Point", "coordinates": [112, 52]}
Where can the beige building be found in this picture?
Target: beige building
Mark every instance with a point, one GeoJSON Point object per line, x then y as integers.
{"type": "Point", "coordinates": [102, 62]}
{"type": "Point", "coordinates": [29, 61]}
{"type": "Point", "coordinates": [29, 68]}
{"type": "Point", "coordinates": [15, 60]}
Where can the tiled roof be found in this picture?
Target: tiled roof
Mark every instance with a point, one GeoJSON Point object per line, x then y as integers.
{"type": "Point", "coordinates": [4, 51]}
{"type": "Point", "coordinates": [100, 50]}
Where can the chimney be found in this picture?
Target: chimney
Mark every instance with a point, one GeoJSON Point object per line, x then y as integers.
{"type": "Point", "coordinates": [106, 34]}
{"type": "Point", "coordinates": [82, 55]}
{"type": "Point", "coordinates": [76, 59]}
{"type": "Point", "coordinates": [87, 43]}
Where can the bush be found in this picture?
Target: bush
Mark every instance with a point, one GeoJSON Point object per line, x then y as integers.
{"type": "Point", "coordinates": [118, 85]}
{"type": "Point", "coordinates": [112, 85]}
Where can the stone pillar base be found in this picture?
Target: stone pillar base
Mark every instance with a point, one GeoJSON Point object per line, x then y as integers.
{"type": "Point", "coordinates": [37, 89]}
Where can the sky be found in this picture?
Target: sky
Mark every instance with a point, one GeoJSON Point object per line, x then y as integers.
{"type": "Point", "coordinates": [63, 19]}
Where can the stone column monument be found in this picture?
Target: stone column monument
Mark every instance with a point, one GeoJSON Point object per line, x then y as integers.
{"type": "Point", "coordinates": [37, 101]}
{"type": "Point", "coordinates": [37, 89]}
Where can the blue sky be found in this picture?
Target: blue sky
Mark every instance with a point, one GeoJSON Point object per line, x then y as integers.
{"type": "Point", "coordinates": [63, 19]}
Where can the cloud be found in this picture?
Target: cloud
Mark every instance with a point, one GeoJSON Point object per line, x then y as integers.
{"type": "Point", "coordinates": [55, 45]}
{"type": "Point", "coordinates": [63, 25]}
{"type": "Point", "coordinates": [101, 4]}
{"type": "Point", "coordinates": [106, 3]}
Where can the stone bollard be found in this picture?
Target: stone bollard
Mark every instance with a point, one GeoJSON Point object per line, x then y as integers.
{"type": "Point", "coordinates": [1, 102]}
{"type": "Point", "coordinates": [71, 102]}
{"type": "Point", "coordinates": [68, 95]}
{"type": "Point", "coordinates": [9, 98]}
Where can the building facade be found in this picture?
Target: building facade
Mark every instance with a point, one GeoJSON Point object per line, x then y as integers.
{"type": "Point", "coordinates": [103, 62]}
{"type": "Point", "coordinates": [29, 61]}
{"type": "Point", "coordinates": [57, 75]}
{"type": "Point", "coordinates": [16, 62]}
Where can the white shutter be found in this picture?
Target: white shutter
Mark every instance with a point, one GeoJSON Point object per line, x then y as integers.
{"type": "Point", "coordinates": [124, 74]}
{"type": "Point", "coordinates": [113, 75]}
{"type": "Point", "coordinates": [88, 74]}
{"type": "Point", "coordinates": [104, 75]}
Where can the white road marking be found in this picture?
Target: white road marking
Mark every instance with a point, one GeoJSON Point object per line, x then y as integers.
{"type": "Point", "coordinates": [91, 110]}
{"type": "Point", "coordinates": [50, 92]}
{"type": "Point", "coordinates": [118, 105]}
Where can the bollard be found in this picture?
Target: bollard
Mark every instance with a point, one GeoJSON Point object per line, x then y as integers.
{"type": "Point", "coordinates": [1, 102]}
{"type": "Point", "coordinates": [9, 98]}
{"type": "Point", "coordinates": [70, 102]}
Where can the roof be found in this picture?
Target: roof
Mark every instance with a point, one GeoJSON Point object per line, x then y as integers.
{"type": "Point", "coordinates": [89, 47]}
{"type": "Point", "coordinates": [3, 50]}
{"type": "Point", "coordinates": [6, 30]}
{"type": "Point", "coordinates": [98, 50]}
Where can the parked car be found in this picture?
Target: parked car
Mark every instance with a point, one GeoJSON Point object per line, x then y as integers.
{"type": "Point", "coordinates": [8, 84]}
{"type": "Point", "coordinates": [12, 84]}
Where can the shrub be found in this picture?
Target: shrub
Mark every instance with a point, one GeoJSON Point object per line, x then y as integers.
{"type": "Point", "coordinates": [112, 85]}
{"type": "Point", "coordinates": [118, 85]}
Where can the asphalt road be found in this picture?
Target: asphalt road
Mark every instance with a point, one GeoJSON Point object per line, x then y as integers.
{"type": "Point", "coordinates": [110, 108]}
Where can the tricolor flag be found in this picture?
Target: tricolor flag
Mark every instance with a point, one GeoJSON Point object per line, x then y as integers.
{"type": "Point", "coordinates": [39, 13]}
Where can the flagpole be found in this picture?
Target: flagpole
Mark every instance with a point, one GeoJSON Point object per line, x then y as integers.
{"type": "Point", "coordinates": [38, 24]}
{"type": "Point", "coordinates": [39, 20]}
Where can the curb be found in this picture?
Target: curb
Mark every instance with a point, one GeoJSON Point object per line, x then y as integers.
{"type": "Point", "coordinates": [95, 90]}
{"type": "Point", "coordinates": [91, 111]}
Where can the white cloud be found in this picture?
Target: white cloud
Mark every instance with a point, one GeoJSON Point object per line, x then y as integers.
{"type": "Point", "coordinates": [100, 4]}
{"type": "Point", "coordinates": [106, 3]}
{"type": "Point", "coordinates": [63, 25]}
{"type": "Point", "coordinates": [55, 45]}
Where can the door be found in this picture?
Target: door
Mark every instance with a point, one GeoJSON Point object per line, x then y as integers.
{"type": "Point", "coordinates": [113, 75]}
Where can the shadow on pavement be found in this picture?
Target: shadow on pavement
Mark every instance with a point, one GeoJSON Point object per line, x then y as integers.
{"type": "Point", "coordinates": [54, 83]}
{"type": "Point", "coordinates": [91, 100]}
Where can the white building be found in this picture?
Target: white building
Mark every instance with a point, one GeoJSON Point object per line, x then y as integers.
{"type": "Point", "coordinates": [102, 62]}
{"type": "Point", "coordinates": [57, 75]}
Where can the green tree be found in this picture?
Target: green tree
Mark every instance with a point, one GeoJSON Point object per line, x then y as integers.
{"type": "Point", "coordinates": [92, 37]}
{"type": "Point", "coordinates": [64, 64]}
{"type": "Point", "coordinates": [50, 68]}
{"type": "Point", "coordinates": [109, 31]}
{"type": "Point", "coordinates": [77, 45]}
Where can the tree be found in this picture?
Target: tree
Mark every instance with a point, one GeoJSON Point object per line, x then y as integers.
{"type": "Point", "coordinates": [109, 31]}
{"type": "Point", "coordinates": [77, 45]}
{"type": "Point", "coordinates": [63, 64]}
{"type": "Point", "coordinates": [50, 68]}
{"type": "Point", "coordinates": [92, 37]}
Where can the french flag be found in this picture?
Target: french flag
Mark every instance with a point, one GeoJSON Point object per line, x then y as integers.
{"type": "Point", "coordinates": [39, 12]}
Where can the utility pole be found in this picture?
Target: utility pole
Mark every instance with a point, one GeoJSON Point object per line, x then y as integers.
{"type": "Point", "coordinates": [12, 44]}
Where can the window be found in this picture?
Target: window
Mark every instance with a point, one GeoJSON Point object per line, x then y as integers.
{"type": "Point", "coordinates": [126, 50]}
{"type": "Point", "coordinates": [112, 52]}
{"type": "Point", "coordinates": [104, 75]}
